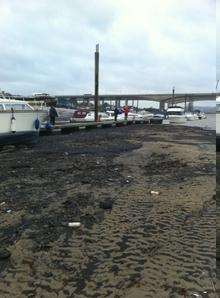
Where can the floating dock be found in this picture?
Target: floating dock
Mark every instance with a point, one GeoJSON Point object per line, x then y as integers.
{"type": "Point", "coordinates": [67, 127]}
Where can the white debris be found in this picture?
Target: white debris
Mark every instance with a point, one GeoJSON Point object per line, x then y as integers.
{"type": "Point", "coordinates": [74, 224]}
{"type": "Point", "coordinates": [154, 192]}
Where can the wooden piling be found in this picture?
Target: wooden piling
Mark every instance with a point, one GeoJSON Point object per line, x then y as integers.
{"type": "Point", "coordinates": [97, 83]}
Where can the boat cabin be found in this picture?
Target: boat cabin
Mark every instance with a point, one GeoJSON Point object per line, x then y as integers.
{"type": "Point", "coordinates": [8, 105]}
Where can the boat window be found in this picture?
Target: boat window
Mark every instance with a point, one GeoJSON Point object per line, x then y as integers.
{"type": "Point", "coordinates": [174, 113]}
{"type": "Point", "coordinates": [17, 106]}
{"type": "Point", "coordinates": [1, 107]}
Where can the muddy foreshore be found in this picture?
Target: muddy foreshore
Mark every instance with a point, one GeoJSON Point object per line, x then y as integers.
{"type": "Point", "coordinates": [147, 245]}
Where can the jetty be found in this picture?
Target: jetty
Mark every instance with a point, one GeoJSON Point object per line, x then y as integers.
{"type": "Point", "coordinates": [67, 127]}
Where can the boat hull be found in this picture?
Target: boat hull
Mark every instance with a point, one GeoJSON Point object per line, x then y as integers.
{"type": "Point", "coordinates": [24, 121]}
{"type": "Point", "coordinates": [22, 137]}
{"type": "Point", "coordinates": [176, 119]}
{"type": "Point", "coordinates": [21, 130]}
{"type": "Point", "coordinates": [218, 131]}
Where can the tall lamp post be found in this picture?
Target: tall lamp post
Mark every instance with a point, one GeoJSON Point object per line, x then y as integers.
{"type": "Point", "coordinates": [97, 83]}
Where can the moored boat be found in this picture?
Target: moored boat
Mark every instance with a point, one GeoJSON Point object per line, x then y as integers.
{"type": "Point", "coordinates": [218, 123]}
{"type": "Point", "coordinates": [176, 114]}
{"type": "Point", "coordinates": [19, 122]}
{"type": "Point", "coordinates": [190, 116]}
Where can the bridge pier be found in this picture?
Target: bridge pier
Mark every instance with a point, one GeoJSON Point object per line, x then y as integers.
{"type": "Point", "coordinates": [190, 106]}
{"type": "Point", "coordinates": [162, 105]}
{"type": "Point", "coordinates": [185, 103]}
{"type": "Point", "coordinates": [170, 104]}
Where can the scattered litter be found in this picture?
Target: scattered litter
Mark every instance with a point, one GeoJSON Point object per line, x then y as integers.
{"type": "Point", "coordinates": [127, 181]}
{"type": "Point", "coordinates": [3, 203]}
{"type": "Point", "coordinates": [107, 204]}
{"type": "Point", "coordinates": [74, 224]}
{"type": "Point", "coordinates": [129, 176]}
{"type": "Point", "coordinates": [154, 192]}
{"type": "Point", "coordinates": [66, 153]}
{"type": "Point", "coordinates": [8, 211]}
{"type": "Point", "coordinates": [115, 169]}
{"type": "Point", "coordinates": [4, 254]}
{"type": "Point", "coordinates": [196, 295]}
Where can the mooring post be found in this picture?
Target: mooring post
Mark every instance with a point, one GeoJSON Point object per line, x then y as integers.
{"type": "Point", "coordinates": [173, 96]}
{"type": "Point", "coordinates": [185, 103]}
{"type": "Point", "coordinates": [162, 105]}
{"type": "Point", "coordinates": [97, 83]}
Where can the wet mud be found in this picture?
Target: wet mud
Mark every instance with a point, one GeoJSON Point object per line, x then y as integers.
{"type": "Point", "coordinates": [132, 242]}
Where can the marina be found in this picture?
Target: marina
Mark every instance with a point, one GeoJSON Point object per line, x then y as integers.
{"type": "Point", "coordinates": [109, 149]}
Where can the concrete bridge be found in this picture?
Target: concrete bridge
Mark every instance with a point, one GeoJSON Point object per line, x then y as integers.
{"type": "Point", "coordinates": [162, 98]}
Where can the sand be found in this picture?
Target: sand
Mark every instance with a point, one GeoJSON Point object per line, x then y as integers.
{"type": "Point", "coordinates": [147, 245]}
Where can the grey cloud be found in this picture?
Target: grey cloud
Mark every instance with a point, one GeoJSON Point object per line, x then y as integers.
{"type": "Point", "coordinates": [49, 46]}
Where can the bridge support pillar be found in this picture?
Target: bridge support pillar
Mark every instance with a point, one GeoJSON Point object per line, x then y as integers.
{"type": "Point", "coordinates": [185, 103]}
{"type": "Point", "coordinates": [190, 106]}
{"type": "Point", "coordinates": [162, 105]}
{"type": "Point", "coordinates": [170, 104]}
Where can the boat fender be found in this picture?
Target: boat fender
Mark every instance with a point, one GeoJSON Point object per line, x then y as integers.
{"type": "Point", "coordinates": [37, 124]}
{"type": "Point", "coordinates": [48, 126]}
{"type": "Point", "coordinates": [13, 126]}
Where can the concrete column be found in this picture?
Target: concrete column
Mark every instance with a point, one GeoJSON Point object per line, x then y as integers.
{"type": "Point", "coordinates": [169, 103]}
{"type": "Point", "coordinates": [190, 106]}
{"type": "Point", "coordinates": [185, 103]}
{"type": "Point", "coordinates": [126, 101]}
{"type": "Point", "coordinates": [132, 102]}
{"type": "Point", "coordinates": [162, 105]}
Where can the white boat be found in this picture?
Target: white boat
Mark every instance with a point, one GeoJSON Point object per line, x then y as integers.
{"type": "Point", "coordinates": [89, 116]}
{"type": "Point", "coordinates": [218, 122]}
{"type": "Point", "coordinates": [19, 122]}
{"type": "Point", "coordinates": [176, 114]}
{"type": "Point", "coordinates": [201, 116]}
{"type": "Point", "coordinates": [190, 116]}
{"type": "Point", "coordinates": [146, 115]}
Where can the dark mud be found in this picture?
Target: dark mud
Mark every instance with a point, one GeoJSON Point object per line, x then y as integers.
{"type": "Point", "coordinates": [144, 246]}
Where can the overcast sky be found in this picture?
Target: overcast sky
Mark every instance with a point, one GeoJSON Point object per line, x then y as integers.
{"type": "Point", "coordinates": [145, 46]}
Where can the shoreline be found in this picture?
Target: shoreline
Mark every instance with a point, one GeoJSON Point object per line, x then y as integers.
{"type": "Point", "coordinates": [147, 244]}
